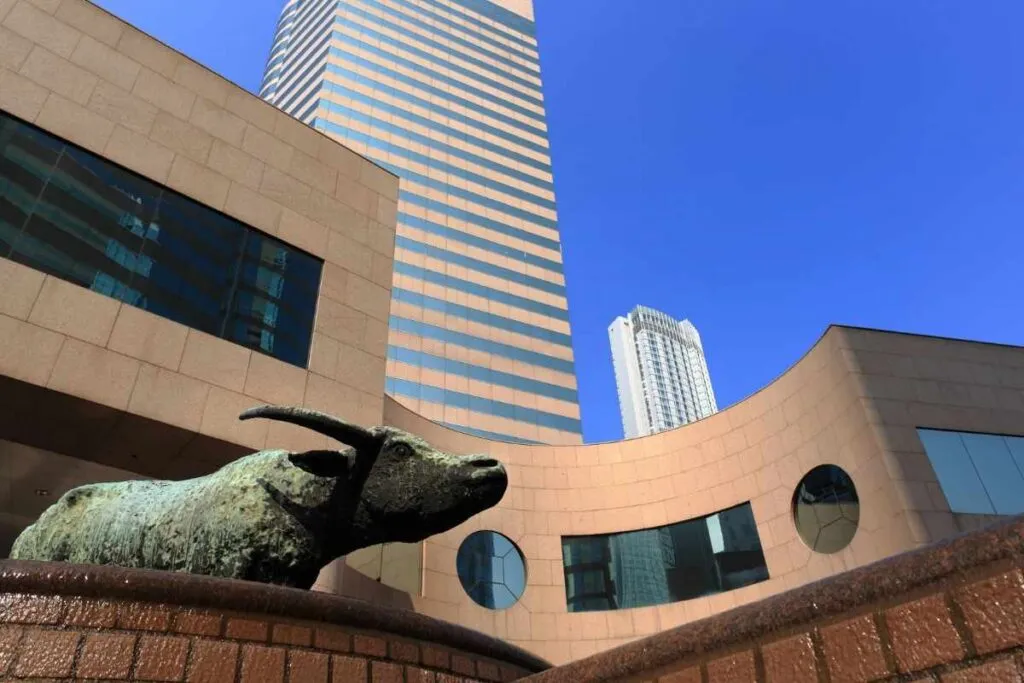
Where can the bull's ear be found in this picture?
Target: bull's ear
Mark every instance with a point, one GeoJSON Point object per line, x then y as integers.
{"type": "Point", "coordinates": [349, 434]}
{"type": "Point", "coordinates": [324, 463]}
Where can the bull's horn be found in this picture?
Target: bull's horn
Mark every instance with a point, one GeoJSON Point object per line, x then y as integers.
{"type": "Point", "coordinates": [322, 423]}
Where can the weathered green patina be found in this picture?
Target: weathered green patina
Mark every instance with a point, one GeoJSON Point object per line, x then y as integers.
{"type": "Point", "coordinates": [274, 516]}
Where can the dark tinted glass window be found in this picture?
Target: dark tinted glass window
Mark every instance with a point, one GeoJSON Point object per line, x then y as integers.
{"type": "Point", "coordinates": [75, 216]}
{"type": "Point", "coordinates": [979, 473]}
{"type": "Point", "coordinates": [826, 509]}
{"type": "Point", "coordinates": [491, 569]}
{"type": "Point", "coordinates": [680, 561]}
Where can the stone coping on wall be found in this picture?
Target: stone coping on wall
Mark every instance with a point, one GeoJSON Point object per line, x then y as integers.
{"type": "Point", "coordinates": [179, 590]}
{"type": "Point", "coordinates": [976, 572]}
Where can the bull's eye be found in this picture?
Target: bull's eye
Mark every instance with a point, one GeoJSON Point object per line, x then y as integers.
{"type": "Point", "coordinates": [402, 450]}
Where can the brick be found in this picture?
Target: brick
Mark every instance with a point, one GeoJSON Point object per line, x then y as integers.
{"type": "Point", "coordinates": [1000, 671]}
{"type": "Point", "coordinates": [923, 634]}
{"type": "Point", "coordinates": [247, 629]}
{"type": "Point", "coordinates": [47, 654]}
{"type": "Point", "coordinates": [91, 614]}
{"type": "Point", "coordinates": [348, 669]}
{"type": "Point", "coordinates": [333, 639]}
{"type": "Point", "coordinates": [386, 672]}
{"type": "Point", "coordinates": [488, 671]}
{"type": "Point", "coordinates": [739, 668]}
{"type": "Point", "coordinates": [38, 610]}
{"type": "Point", "coordinates": [994, 611]}
{"type": "Point", "coordinates": [106, 655]}
{"type": "Point", "coordinates": [691, 675]}
{"type": "Point", "coordinates": [197, 623]}
{"type": "Point", "coordinates": [10, 636]}
{"type": "Point", "coordinates": [213, 662]}
{"type": "Point", "coordinates": [262, 664]}
{"type": "Point", "coordinates": [463, 665]}
{"type": "Point", "coordinates": [370, 645]}
{"type": "Point", "coordinates": [436, 659]}
{"type": "Point", "coordinates": [307, 667]}
{"type": "Point", "coordinates": [853, 651]}
{"type": "Point", "coordinates": [405, 652]}
{"type": "Point", "coordinates": [161, 658]}
{"type": "Point", "coordinates": [415, 675]}
{"type": "Point", "coordinates": [291, 634]}
{"type": "Point", "coordinates": [144, 618]}
{"type": "Point", "coordinates": [790, 661]}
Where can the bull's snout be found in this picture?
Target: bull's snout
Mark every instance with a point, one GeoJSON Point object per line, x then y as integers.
{"type": "Point", "coordinates": [483, 467]}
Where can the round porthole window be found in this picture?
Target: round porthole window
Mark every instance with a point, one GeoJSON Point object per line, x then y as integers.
{"type": "Point", "coordinates": [826, 509]}
{"type": "Point", "coordinates": [492, 569]}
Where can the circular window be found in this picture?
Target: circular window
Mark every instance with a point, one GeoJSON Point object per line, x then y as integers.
{"type": "Point", "coordinates": [492, 569]}
{"type": "Point", "coordinates": [826, 509]}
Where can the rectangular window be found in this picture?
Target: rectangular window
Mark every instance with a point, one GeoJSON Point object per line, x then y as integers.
{"type": "Point", "coordinates": [680, 561]}
{"type": "Point", "coordinates": [979, 473]}
{"type": "Point", "coordinates": [78, 217]}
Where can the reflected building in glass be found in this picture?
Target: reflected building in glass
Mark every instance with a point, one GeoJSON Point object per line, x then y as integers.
{"type": "Point", "coordinates": [447, 94]}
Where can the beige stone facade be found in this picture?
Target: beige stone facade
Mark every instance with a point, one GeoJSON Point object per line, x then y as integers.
{"type": "Point", "coordinates": [93, 389]}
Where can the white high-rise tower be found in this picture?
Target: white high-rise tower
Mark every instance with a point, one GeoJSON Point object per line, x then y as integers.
{"type": "Point", "coordinates": [660, 372]}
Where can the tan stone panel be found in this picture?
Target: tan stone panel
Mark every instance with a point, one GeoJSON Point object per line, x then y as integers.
{"type": "Point", "coordinates": [289, 437]}
{"type": "Point", "coordinates": [281, 187]}
{"type": "Point", "coordinates": [252, 208]}
{"type": "Point", "coordinates": [168, 96]}
{"type": "Point", "coordinates": [323, 355]}
{"type": "Point", "coordinates": [218, 122]}
{"type": "Point", "coordinates": [20, 96]}
{"type": "Point", "coordinates": [106, 63]}
{"type": "Point", "coordinates": [275, 381]}
{"type": "Point", "coordinates": [204, 82]}
{"type": "Point", "coordinates": [235, 164]}
{"type": "Point", "coordinates": [20, 286]}
{"type": "Point", "coordinates": [220, 419]}
{"type": "Point", "coordinates": [312, 172]}
{"type": "Point", "coordinates": [356, 195]}
{"type": "Point", "coordinates": [335, 282]}
{"type": "Point", "coordinates": [387, 211]}
{"type": "Point", "coordinates": [168, 397]}
{"type": "Point", "coordinates": [381, 239]}
{"type": "Point", "coordinates": [340, 322]}
{"type": "Point", "coordinates": [360, 370]}
{"type": "Point", "coordinates": [369, 298]}
{"type": "Point", "coordinates": [332, 397]}
{"type": "Point", "coordinates": [149, 52]}
{"type": "Point", "coordinates": [382, 271]}
{"type": "Point", "coordinates": [303, 233]}
{"type": "Point", "coordinates": [41, 28]}
{"type": "Point", "coordinates": [198, 182]}
{"type": "Point", "coordinates": [139, 153]}
{"type": "Point", "coordinates": [181, 137]}
{"type": "Point", "coordinates": [215, 360]}
{"type": "Point", "coordinates": [28, 353]}
{"type": "Point", "coordinates": [94, 373]}
{"type": "Point", "coordinates": [297, 134]}
{"type": "Point", "coordinates": [339, 157]}
{"type": "Point", "coordinates": [380, 181]}
{"type": "Point", "coordinates": [123, 108]}
{"type": "Point", "coordinates": [91, 20]}
{"type": "Point", "coordinates": [148, 337]}
{"type": "Point", "coordinates": [269, 150]}
{"type": "Point", "coordinates": [74, 311]}
{"type": "Point", "coordinates": [349, 254]}
{"type": "Point", "coordinates": [252, 109]}
{"type": "Point", "coordinates": [59, 75]}
{"type": "Point", "coordinates": [13, 49]}
{"type": "Point", "coordinates": [376, 339]}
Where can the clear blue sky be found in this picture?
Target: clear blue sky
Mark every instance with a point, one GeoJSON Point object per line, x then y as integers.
{"type": "Point", "coordinates": [763, 168]}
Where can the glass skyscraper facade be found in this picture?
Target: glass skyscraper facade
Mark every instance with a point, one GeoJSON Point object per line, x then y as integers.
{"type": "Point", "coordinates": [447, 95]}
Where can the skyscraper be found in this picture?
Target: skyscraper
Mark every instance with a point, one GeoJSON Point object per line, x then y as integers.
{"type": "Point", "coordinates": [447, 95]}
{"type": "Point", "coordinates": [660, 372]}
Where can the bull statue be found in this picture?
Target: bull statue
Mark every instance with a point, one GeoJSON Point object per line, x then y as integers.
{"type": "Point", "coordinates": [275, 517]}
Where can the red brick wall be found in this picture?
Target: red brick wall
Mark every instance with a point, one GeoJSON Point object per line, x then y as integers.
{"type": "Point", "coordinates": [55, 637]}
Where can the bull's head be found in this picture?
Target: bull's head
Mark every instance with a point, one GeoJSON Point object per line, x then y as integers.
{"type": "Point", "coordinates": [405, 490]}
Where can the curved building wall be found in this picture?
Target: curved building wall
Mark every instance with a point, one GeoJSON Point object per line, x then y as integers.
{"type": "Point", "coordinates": [855, 400]}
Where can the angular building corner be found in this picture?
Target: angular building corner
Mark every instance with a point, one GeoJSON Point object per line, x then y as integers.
{"type": "Point", "coordinates": [447, 94]}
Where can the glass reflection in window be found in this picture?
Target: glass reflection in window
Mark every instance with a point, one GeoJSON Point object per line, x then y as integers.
{"type": "Point", "coordinates": [75, 216]}
{"type": "Point", "coordinates": [491, 569]}
{"type": "Point", "coordinates": [979, 473]}
{"type": "Point", "coordinates": [680, 561]}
